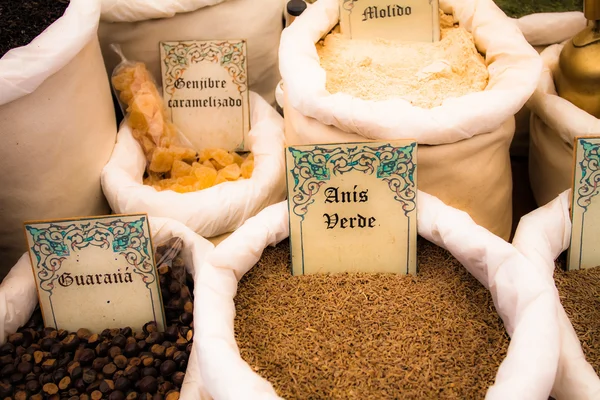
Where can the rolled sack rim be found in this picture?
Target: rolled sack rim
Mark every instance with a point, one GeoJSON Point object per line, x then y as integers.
{"type": "Point", "coordinates": [141, 10]}
{"type": "Point", "coordinates": [522, 297]}
{"type": "Point", "coordinates": [560, 115]}
{"type": "Point", "coordinates": [514, 68]}
{"type": "Point", "coordinates": [212, 211]}
{"type": "Point", "coordinates": [543, 29]}
{"type": "Point", "coordinates": [23, 69]}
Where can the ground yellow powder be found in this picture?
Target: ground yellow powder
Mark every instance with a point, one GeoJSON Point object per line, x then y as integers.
{"type": "Point", "coordinates": [423, 73]}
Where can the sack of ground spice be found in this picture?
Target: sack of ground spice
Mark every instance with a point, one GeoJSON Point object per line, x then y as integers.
{"type": "Point", "coordinates": [458, 106]}
{"type": "Point", "coordinates": [542, 30]}
{"type": "Point", "coordinates": [555, 123]}
{"type": "Point", "coordinates": [139, 25]}
{"type": "Point", "coordinates": [153, 169]}
{"type": "Point", "coordinates": [347, 335]}
{"type": "Point", "coordinates": [58, 121]}
{"type": "Point", "coordinates": [117, 363]}
{"type": "Point", "coordinates": [542, 236]}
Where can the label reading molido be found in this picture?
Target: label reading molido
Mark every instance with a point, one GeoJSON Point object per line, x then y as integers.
{"type": "Point", "coordinates": [404, 20]}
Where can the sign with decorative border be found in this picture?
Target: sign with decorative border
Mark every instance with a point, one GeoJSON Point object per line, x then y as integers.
{"type": "Point", "coordinates": [585, 205]}
{"type": "Point", "coordinates": [96, 272]}
{"type": "Point", "coordinates": [205, 89]}
{"type": "Point", "coordinates": [353, 207]}
{"type": "Point", "coordinates": [409, 21]}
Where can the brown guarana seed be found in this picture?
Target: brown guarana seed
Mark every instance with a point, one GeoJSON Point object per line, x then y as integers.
{"type": "Point", "coordinates": [141, 335]}
{"type": "Point", "coordinates": [74, 397]}
{"type": "Point", "coordinates": [7, 359]}
{"type": "Point", "coordinates": [141, 345]}
{"type": "Point", "coordinates": [172, 332]}
{"type": "Point", "coordinates": [119, 341]}
{"type": "Point", "coordinates": [132, 396]}
{"type": "Point", "coordinates": [150, 327]}
{"type": "Point", "coordinates": [121, 361]}
{"type": "Point", "coordinates": [33, 386]}
{"type": "Point", "coordinates": [158, 396]}
{"type": "Point", "coordinates": [181, 343]}
{"type": "Point", "coordinates": [173, 395]}
{"type": "Point", "coordinates": [49, 365]}
{"type": "Point", "coordinates": [114, 351]}
{"type": "Point", "coordinates": [116, 395]}
{"type": "Point", "coordinates": [50, 388]}
{"type": "Point", "coordinates": [102, 349]}
{"type": "Point", "coordinates": [186, 318]}
{"type": "Point", "coordinates": [76, 372]}
{"type": "Point", "coordinates": [71, 342]}
{"type": "Point", "coordinates": [24, 367]}
{"type": "Point", "coordinates": [83, 334]}
{"type": "Point", "coordinates": [154, 338]}
{"type": "Point", "coordinates": [31, 376]}
{"type": "Point", "coordinates": [188, 307]}
{"type": "Point", "coordinates": [174, 287]}
{"type": "Point", "coordinates": [56, 349]}
{"type": "Point", "coordinates": [132, 373]}
{"type": "Point", "coordinates": [59, 374]}
{"type": "Point", "coordinates": [158, 351]}
{"type": "Point", "coordinates": [96, 395]}
{"type": "Point", "coordinates": [73, 392]}
{"type": "Point", "coordinates": [127, 331]}
{"type": "Point", "coordinates": [16, 377]}
{"type": "Point", "coordinates": [89, 376]}
{"type": "Point", "coordinates": [123, 384]}
{"type": "Point", "coordinates": [20, 351]}
{"type": "Point", "coordinates": [118, 374]}
{"type": "Point", "coordinates": [94, 339]}
{"type": "Point", "coordinates": [114, 332]}
{"type": "Point", "coordinates": [130, 339]}
{"type": "Point", "coordinates": [64, 383]}
{"type": "Point", "coordinates": [36, 396]}
{"type": "Point", "coordinates": [167, 368]}
{"type": "Point", "coordinates": [189, 348]}
{"type": "Point", "coordinates": [163, 269]}
{"type": "Point", "coordinates": [64, 360]}
{"type": "Point", "coordinates": [165, 387]}
{"type": "Point", "coordinates": [148, 384]}
{"type": "Point", "coordinates": [6, 389]}
{"type": "Point", "coordinates": [170, 351]}
{"type": "Point", "coordinates": [21, 395]}
{"type": "Point", "coordinates": [45, 378]}
{"type": "Point", "coordinates": [62, 333]}
{"type": "Point", "coordinates": [109, 369]}
{"type": "Point", "coordinates": [157, 363]}
{"type": "Point", "coordinates": [80, 385]}
{"type": "Point", "coordinates": [131, 349]}
{"type": "Point", "coordinates": [47, 343]}
{"type": "Point", "coordinates": [16, 338]}
{"type": "Point", "coordinates": [94, 386]}
{"type": "Point", "coordinates": [178, 378]}
{"type": "Point", "coordinates": [99, 363]}
{"type": "Point", "coordinates": [135, 361]}
{"type": "Point", "coordinates": [180, 357]}
{"type": "Point", "coordinates": [149, 371]}
{"type": "Point", "coordinates": [84, 396]}
{"type": "Point", "coordinates": [147, 361]}
{"type": "Point", "coordinates": [87, 356]}
{"type": "Point", "coordinates": [27, 358]}
{"type": "Point", "coordinates": [107, 386]}
{"type": "Point", "coordinates": [7, 349]}
{"type": "Point", "coordinates": [190, 335]}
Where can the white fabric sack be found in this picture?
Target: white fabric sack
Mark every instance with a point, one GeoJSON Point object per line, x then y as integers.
{"type": "Point", "coordinates": [542, 30]}
{"type": "Point", "coordinates": [542, 236]}
{"type": "Point", "coordinates": [57, 125]}
{"type": "Point", "coordinates": [555, 123]}
{"type": "Point", "coordinates": [474, 131]}
{"type": "Point", "coordinates": [18, 295]}
{"type": "Point", "coordinates": [209, 212]}
{"type": "Point", "coordinates": [139, 25]}
{"type": "Point", "coordinates": [524, 300]}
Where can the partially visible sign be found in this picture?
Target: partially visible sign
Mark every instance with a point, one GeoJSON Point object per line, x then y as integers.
{"type": "Point", "coordinates": [585, 206]}
{"type": "Point", "coordinates": [400, 20]}
{"type": "Point", "coordinates": [96, 272]}
{"type": "Point", "coordinates": [353, 207]}
{"type": "Point", "coordinates": [205, 89]}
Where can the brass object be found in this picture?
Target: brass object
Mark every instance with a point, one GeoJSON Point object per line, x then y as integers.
{"type": "Point", "coordinates": [578, 77]}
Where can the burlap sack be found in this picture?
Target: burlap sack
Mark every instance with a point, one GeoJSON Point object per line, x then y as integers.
{"type": "Point", "coordinates": [139, 25]}
{"type": "Point", "coordinates": [18, 294]}
{"type": "Point", "coordinates": [464, 144]}
{"type": "Point", "coordinates": [542, 30]}
{"type": "Point", "coordinates": [555, 123]}
{"type": "Point", "coordinates": [57, 125]}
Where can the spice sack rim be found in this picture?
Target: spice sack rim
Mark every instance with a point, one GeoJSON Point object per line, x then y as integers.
{"type": "Point", "coordinates": [23, 69]}
{"type": "Point", "coordinates": [514, 68]}
{"type": "Point", "coordinates": [212, 211]}
{"type": "Point", "coordinates": [562, 116]}
{"type": "Point", "coordinates": [523, 299]}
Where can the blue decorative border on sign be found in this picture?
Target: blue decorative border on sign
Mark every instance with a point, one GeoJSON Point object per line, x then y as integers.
{"type": "Point", "coordinates": [313, 168]}
{"type": "Point", "coordinates": [589, 182]}
{"type": "Point", "coordinates": [53, 244]}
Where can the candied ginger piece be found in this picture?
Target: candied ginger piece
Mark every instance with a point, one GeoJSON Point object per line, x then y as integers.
{"type": "Point", "coordinates": [208, 164]}
{"type": "Point", "coordinates": [237, 159]}
{"type": "Point", "coordinates": [247, 168]}
{"type": "Point", "coordinates": [178, 188]}
{"type": "Point", "coordinates": [182, 153]}
{"type": "Point", "coordinates": [222, 157]}
{"type": "Point", "coordinates": [205, 177]}
{"type": "Point", "coordinates": [220, 179]}
{"type": "Point", "coordinates": [231, 172]}
{"type": "Point", "coordinates": [180, 169]}
{"type": "Point", "coordinates": [250, 157]}
{"type": "Point", "coordinates": [147, 145]}
{"type": "Point", "coordinates": [187, 180]}
{"type": "Point", "coordinates": [162, 160]}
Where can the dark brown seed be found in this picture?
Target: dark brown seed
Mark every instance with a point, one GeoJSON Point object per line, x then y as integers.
{"type": "Point", "coordinates": [186, 318]}
{"type": "Point", "coordinates": [73, 392]}
{"type": "Point", "coordinates": [64, 383]}
{"type": "Point", "coordinates": [6, 389]}
{"type": "Point", "coordinates": [94, 386]}
{"type": "Point", "coordinates": [109, 369]}
{"type": "Point", "coordinates": [71, 342]}
{"type": "Point", "coordinates": [177, 378]}
{"type": "Point", "coordinates": [154, 338]}
{"type": "Point", "coordinates": [16, 338]}
{"type": "Point", "coordinates": [131, 339]}
{"type": "Point", "coordinates": [80, 385]}
{"type": "Point", "coordinates": [45, 378]}
{"type": "Point", "coordinates": [132, 373]}
{"type": "Point", "coordinates": [6, 349]}
{"type": "Point", "coordinates": [93, 340]}
{"type": "Point", "coordinates": [173, 395]}
{"type": "Point", "coordinates": [114, 351]}
{"type": "Point", "coordinates": [8, 359]}
{"type": "Point", "coordinates": [148, 384]}
{"type": "Point", "coordinates": [167, 368]}
{"type": "Point", "coordinates": [102, 349]}
{"type": "Point", "coordinates": [96, 395]}
{"type": "Point", "coordinates": [132, 396]}
{"type": "Point", "coordinates": [99, 363]}
{"type": "Point", "coordinates": [24, 367]}
{"type": "Point", "coordinates": [33, 386]}
{"type": "Point", "coordinates": [116, 395]}
{"type": "Point", "coordinates": [170, 351]}
{"type": "Point", "coordinates": [87, 357]}
{"type": "Point", "coordinates": [150, 327]}
{"type": "Point", "coordinates": [141, 335]}
{"type": "Point", "coordinates": [21, 395]}
{"type": "Point", "coordinates": [141, 345]}
{"type": "Point", "coordinates": [83, 334]}
{"type": "Point", "coordinates": [16, 377]}
{"type": "Point", "coordinates": [76, 372]}
{"type": "Point", "coordinates": [50, 388]}
{"type": "Point", "coordinates": [20, 351]}
{"type": "Point", "coordinates": [74, 397]}
{"type": "Point", "coordinates": [47, 343]}
{"type": "Point", "coordinates": [61, 334]}
{"type": "Point", "coordinates": [118, 374]}
{"type": "Point", "coordinates": [59, 374]}
{"type": "Point", "coordinates": [147, 361]}
{"type": "Point", "coordinates": [127, 331]}
{"type": "Point", "coordinates": [135, 361]}
{"type": "Point", "coordinates": [131, 349]}
{"type": "Point", "coordinates": [180, 358]}
{"type": "Point", "coordinates": [121, 361]}
{"type": "Point", "coordinates": [123, 384]}
{"type": "Point", "coordinates": [158, 351]}
{"type": "Point", "coordinates": [64, 360]}
{"type": "Point", "coordinates": [56, 350]}
{"type": "Point", "coordinates": [158, 396]}
{"type": "Point", "coordinates": [149, 371]}
{"type": "Point", "coordinates": [181, 343]}
{"type": "Point", "coordinates": [49, 365]}
{"type": "Point", "coordinates": [8, 370]}
{"type": "Point", "coordinates": [37, 396]}
{"type": "Point", "coordinates": [84, 396]}
{"type": "Point", "coordinates": [165, 387]}
{"type": "Point", "coordinates": [172, 332]}
{"type": "Point", "coordinates": [107, 386]}
{"type": "Point", "coordinates": [89, 376]}
{"type": "Point", "coordinates": [119, 341]}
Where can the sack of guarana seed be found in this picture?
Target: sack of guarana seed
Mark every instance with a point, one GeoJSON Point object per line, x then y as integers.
{"type": "Point", "coordinates": [542, 236]}
{"type": "Point", "coordinates": [154, 168]}
{"type": "Point", "coordinates": [457, 97]}
{"type": "Point", "coordinates": [38, 362]}
{"type": "Point", "coordinates": [245, 297]}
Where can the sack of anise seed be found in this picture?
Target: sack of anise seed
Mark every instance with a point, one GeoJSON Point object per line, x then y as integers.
{"type": "Point", "coordinates": [542, 236]}
{"type": "Point", "coordinates": [457, 97]}
{"type": "Point", "coordinates": [51, 128]}
{"type": "Point", "coordinates": [522, 297]}
{"type": "Point", "coordinates": [155, 169]}
{"type": "Point", "coordinates": [118, 363]}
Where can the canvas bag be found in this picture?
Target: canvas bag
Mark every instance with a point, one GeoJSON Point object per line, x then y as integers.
{"type": "Point", "coordinates": [57, 125]}
{"type": "Point", "coordinates": [542, 30]}
{"type": "Point", "coordinates": [542, 236]}
{"type": "Point", "coordinates": [213, 211]}
{"type": "Point", "coordinates": [139, 25]}
{"type": "Point", "coordinates": [555, 123]}
{"type": "Point", "coordinates": [524, 299]}
{"type": "Point", "coordinates": [464, 144]}
{"type": "Point", "coordinates": [18, 295]}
